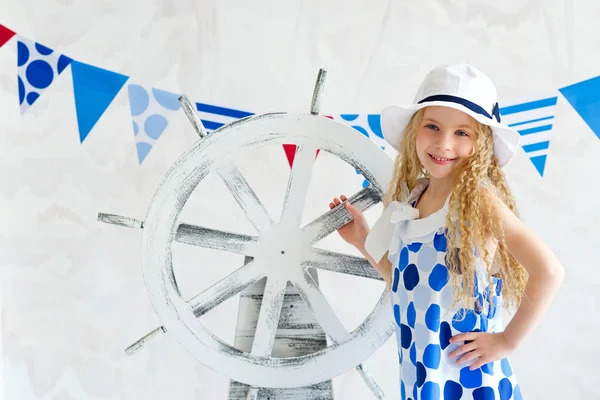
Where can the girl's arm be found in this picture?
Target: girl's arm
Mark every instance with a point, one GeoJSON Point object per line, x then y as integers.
{"type": "Point", "coordinates": [356, 232]}
{"type": "Point", "coordinates": [384, 267]}
{"type": "Point", "coordinates": [546, 274]}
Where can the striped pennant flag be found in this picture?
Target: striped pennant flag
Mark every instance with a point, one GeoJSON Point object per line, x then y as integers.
{"type": "Point", "coordinates": [213, 117]}
{"type": "Point", "coordinates": [533, 120]}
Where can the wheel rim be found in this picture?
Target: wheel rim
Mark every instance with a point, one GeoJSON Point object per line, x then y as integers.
{"type": "Point", "coordinates": [161, 228]}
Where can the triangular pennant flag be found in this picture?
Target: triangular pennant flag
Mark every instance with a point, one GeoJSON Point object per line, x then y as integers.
{"type": "Point", "coordinates": [94, 89]}
{"type": "Point", "coordinates": [533, 119]}
{"type": "Point", "coordinates": [367, 124]}
{"type": "Point", "coordinates": [5, 35]}
{"type": "Point", "coordinates": [290, 149]}
{"type": "Point", "coordinates": [37, 67]}
{"type": "Point", "coordinates": [151, 109]}
{"type": "Point", "coordinates": [290, 153]}
{"type": "Point", "coordinates": [370, 126]}
{"type": "Point", "coordinates": [583, 97]}
{"type": "Point", "coordinates": [213, 117]}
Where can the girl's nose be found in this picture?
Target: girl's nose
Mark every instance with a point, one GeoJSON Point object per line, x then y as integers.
{"type": "Point", "coordinates": [444, 141]}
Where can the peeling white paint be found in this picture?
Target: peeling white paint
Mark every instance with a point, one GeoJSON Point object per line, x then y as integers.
{"type": "Point", "coordinates": [281, 244]}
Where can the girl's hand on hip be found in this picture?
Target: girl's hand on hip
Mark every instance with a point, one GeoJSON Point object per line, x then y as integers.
{"type": "Point", "coordinates": [484, 347]}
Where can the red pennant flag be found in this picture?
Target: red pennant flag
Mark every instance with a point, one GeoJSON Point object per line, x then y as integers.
{"type": "Point", "coordinates": [5, 34]}
{"type": "Point", "coordinates": [290, 149]}
{"type": "Point", "coordinates": [290, 153]}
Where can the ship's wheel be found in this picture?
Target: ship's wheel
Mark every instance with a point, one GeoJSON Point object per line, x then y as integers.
{"type": "Point", "coordinates": [282, 252]}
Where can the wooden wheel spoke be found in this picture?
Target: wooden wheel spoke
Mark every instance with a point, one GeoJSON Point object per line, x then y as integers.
{"type": "Point", "coordinates": [295, 196]}
{"type": "Point", "coordinates": [321, 309]}
{"type": "Point", "coordinates": [268, 318]}
{"type": "Point", "coordinates": [226, 288]}
{"type": "Point", "coordinates": [334, 219]}
{"type": "Point", "coordinates": [245, 196]}
{"type": "Point", "coordinates": [216, 239]}
{"type": "Point", "coordinates": [342, 263]}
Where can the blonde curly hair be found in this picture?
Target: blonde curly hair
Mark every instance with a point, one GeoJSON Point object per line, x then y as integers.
{"type": "Point", "coordinates": [466, 198]}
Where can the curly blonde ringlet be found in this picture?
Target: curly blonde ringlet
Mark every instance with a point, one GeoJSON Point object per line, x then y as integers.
{"type": "Point", "coordinates": [466, 239]}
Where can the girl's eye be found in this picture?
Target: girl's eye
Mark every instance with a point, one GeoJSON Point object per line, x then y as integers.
{"type": "Point", "coordinates": [431, 126]}
{"type": "Point", "coordinates": [462, 133]}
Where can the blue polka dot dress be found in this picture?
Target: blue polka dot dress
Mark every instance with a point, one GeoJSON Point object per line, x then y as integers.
{"type": "Point", "coordinates": [421, 297]}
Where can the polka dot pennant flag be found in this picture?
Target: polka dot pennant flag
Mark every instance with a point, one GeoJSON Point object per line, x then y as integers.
{"type": "Point", "coordinates": [370, 126]}
{"type": "Point", "coordinates": [533, 119]}
{"type": "Point", "coordinates": [151, 109]}
{"type": "Point", "coordinates": [583, 97]}
{"type": "Point", "coordinates": [5, 35]}
{"type": "Point", "coordinates": [94, 90]}
{"type": "Point", "coordinates": [37, 67]}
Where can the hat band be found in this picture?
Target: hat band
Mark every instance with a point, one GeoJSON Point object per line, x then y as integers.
{"type": "Point", "coordinates": [468, 104]}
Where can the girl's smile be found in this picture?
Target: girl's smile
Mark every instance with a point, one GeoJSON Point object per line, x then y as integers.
{"type": "Point", "coordinates": [441, 160]}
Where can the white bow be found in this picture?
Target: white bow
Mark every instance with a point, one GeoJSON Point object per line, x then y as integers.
{"type": "Point", "coordinates": [379, 239]}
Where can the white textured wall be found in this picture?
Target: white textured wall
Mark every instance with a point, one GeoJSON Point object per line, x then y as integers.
{"type": "Point", "coordinates": [72, 291]}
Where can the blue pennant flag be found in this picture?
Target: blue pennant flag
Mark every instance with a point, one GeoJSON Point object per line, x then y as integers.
{"type": "Point", "coordinates": [151, 110]}
{"type": "Point", "coordinates": [533, 119]}
{"type": "Point", "coordinates": [94, 89]}
{"type": "Point", "coordinates": [37, 67]}
{"type": "Point", "coordinates": [584, 97]}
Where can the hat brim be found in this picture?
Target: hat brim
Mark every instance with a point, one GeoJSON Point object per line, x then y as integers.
{"type": "Point", "coordinates": [395, 118]}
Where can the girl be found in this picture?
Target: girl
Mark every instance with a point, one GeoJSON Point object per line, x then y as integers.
{"type": "Point", "coordinates": [453, 243]}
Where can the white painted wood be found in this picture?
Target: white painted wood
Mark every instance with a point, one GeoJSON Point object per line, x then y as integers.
{"type": "Point", "coordinates": [295, 195]}
{"type": "Point", "coordinates": [333, 219]}
{"type": "Point", "coordinates": [268, 317]}
{"type": "Point", "coordinates": [245, 196]}
{"type": "Point", "coordinates": [278, 245]}
{"type": "Point", "coordinates": [342, 263]}
{"type": "Point", "coordinates": [321, 309]}
{"type": "Point", "coordinates": [190, 113]}
{"type": "Point", "coordinates": [226, 288]}
{"type": "Point", "coordinates": [137, 346]}
{"type": "Point", "coordinates": [120, 220]}
{"type": "Point", "coordinates": [315, 106]}
{"type": "Point", "coordinates": [368, 378]}
{"type": "Point", "coordinates": [271, 305]}
{"type": "Point", "coordinates": [215, 239]}
{"type": "Point", "coordinates": [298, 334]}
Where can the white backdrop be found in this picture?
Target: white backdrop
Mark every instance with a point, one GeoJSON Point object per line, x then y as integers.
{"type": "Point", "coordinates": [72, 291]}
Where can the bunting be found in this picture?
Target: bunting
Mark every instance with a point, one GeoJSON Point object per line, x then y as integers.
{"type": "Point", "coordinates": [95, 89]}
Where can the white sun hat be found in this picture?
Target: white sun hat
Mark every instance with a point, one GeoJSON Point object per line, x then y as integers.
{"type": "Point", "coordinates": [462, 87]}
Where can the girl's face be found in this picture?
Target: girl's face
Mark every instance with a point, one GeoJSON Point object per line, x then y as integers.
{"type": "Point", "coordinates": [445, 138]}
